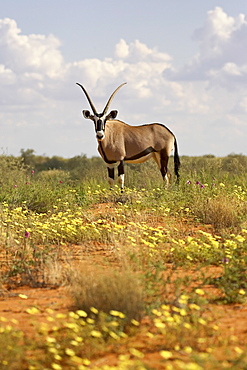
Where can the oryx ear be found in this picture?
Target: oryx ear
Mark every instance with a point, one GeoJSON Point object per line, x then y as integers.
{"type": "Point", "coordinates": [112, 115]}
{"type": "Point", "coordinates": [87, 114]}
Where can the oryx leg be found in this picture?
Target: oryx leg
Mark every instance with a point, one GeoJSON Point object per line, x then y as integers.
{"type": "Point", "coordinates": [121, 175]}
{"type": "Point", "coordinates": [161, 158]}
{"type": "Point", "coordinates": [110, 169]}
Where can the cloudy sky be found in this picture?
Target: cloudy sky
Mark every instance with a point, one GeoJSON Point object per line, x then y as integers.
{"type": "Point", "coordinates": [185, 64]}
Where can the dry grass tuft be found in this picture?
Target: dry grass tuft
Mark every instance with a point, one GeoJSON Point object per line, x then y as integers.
{"type": "Point", "coordinates": [107, 289]}
{"type": "Point", "coordinates": [54, 273]}
{"type": "Point", "coordinates": [221, 212]}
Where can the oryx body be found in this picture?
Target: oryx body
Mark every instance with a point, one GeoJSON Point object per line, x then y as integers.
{"type": "Point", "coordinates": [119, 142]}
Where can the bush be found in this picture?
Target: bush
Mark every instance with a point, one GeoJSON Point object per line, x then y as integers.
{"type": "Point", "coordinates": [107, 290]}
{"type": "Point", "coordinates": [220, 212]}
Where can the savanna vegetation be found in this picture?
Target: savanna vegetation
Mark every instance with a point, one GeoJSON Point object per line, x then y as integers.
{"type": "Point", "coordinates": [169, 259]}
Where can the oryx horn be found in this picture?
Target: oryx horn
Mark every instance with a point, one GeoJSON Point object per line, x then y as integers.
{"type": "Point", "coordinates": [88, 98]}
{"type": "Point", "coordinates": [111, 97]}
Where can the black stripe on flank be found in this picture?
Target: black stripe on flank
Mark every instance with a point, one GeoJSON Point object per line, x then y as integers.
{"type": "Point", "coordinates": [141, 154]}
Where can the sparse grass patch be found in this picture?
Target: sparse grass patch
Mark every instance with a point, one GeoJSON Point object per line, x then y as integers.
{"type": "Point", "coordinates": [107, 289]}
{"type": "Point", "coordinates": [221, 212]}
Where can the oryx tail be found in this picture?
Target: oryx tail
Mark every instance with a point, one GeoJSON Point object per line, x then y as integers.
{"type": "Point", "coordinates": [176, 160]}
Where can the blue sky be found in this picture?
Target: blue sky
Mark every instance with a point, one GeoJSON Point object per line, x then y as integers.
{"type": "Point", "coordinates": [185, 64]}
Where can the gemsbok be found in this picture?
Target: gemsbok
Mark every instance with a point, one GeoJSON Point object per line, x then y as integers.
{"type": "Point", "coordinates": [119, 142]}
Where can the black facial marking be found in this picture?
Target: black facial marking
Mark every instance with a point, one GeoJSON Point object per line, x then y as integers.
{"type": "Point", "coordinates": [99, 125]}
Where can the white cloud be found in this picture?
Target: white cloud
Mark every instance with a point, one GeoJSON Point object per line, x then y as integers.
{"type": "Point", "coordinates": [7, 77]}
{"type": "Point", "coordinates": [32, 53]}
{"type": "Point", "coordinates": [222, 42]}
{"type": "Point", "coordinates": [122, 49]}
{"type": "Point", "coordinates": [138, 51]}
{"type": "Point", "coordinates": [34, 66]}
{"type": "Point", "coordinates": [241, 106]}
{"type": "Point", "coordinates": [136, 63]}
{"type": "Point", "coordinates": [217, 29]}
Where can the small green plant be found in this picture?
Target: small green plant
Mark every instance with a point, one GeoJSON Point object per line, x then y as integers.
{"type": "Point", "coordinates": [12, 352]}
{"type": "Point", "coordinates": [233, 282]}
